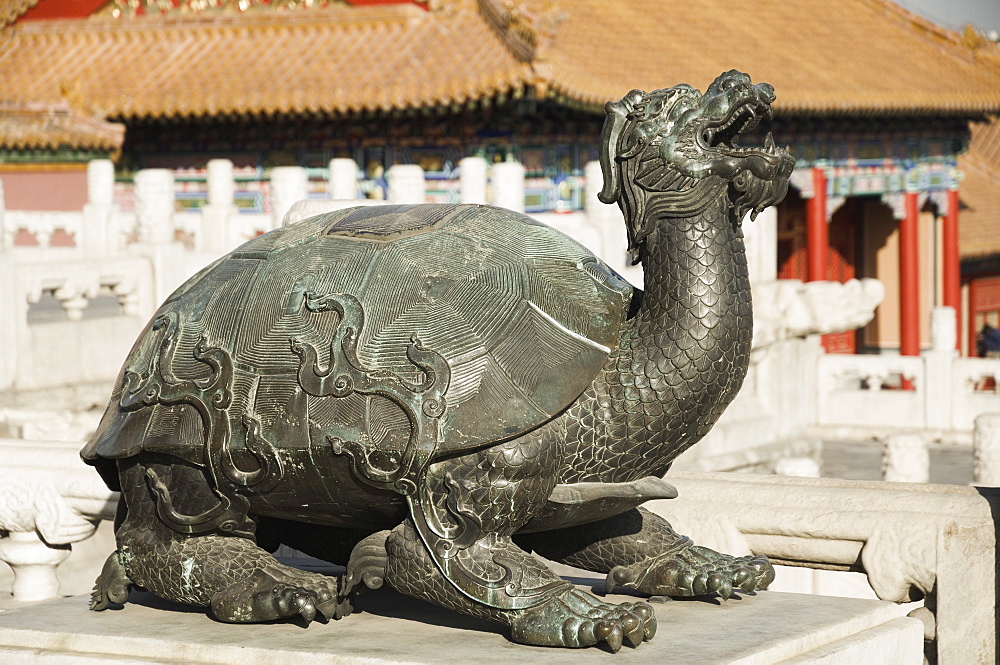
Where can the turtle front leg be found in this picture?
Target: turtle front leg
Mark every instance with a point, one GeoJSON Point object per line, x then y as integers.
{"type": "Point", "coordinates": [572, 618]}
{"type": "Point", "coordinates": [640, 550]}
{"type": "Point", "coordinates": [238, 580]}
{"type": "Point", "coordinates": [481, 499]}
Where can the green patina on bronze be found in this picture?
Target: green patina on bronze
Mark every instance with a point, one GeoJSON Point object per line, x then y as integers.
{"type": "Point", "coordinates": [439, 390]}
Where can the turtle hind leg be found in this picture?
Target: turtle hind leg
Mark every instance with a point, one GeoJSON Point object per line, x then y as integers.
{"type": "Point", "coordinates": [238, 580]}
{"type": "Point", "coordinates": [640, 550]}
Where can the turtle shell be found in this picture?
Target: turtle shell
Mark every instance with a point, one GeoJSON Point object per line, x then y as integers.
{"type": "Point", "coordinates": [522, 315]}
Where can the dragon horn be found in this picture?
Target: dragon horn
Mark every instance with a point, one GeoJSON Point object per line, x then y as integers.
{"type": "Point", "coordinates": [617, 113]}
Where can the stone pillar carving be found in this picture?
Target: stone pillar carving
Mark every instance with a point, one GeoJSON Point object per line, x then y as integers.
{"type": "Point", "coordinates": [343, 182]}
{"type": "Point", "coordinates": [905, 458]}
{"type": "Point", "coordinates": [154, 211]}
{"type": "Point", "coordinates": [154, 206]}
{"type": "Point", "coordinates": [289, 184]}
{"type": "Point", "coordinates": [472, 179]}
{"type": "Point", "coordinates": [34, 564]}
{"type": "Point", "coordinates": [221, 185]}
{"type": "Point", "coordinates": [216, 233]}
{"type": "Point", "coordinates": [608, 221]}
{"type": "Point", "coordinates": [101, 182]}
{"type": "Point", "coordinates": [508, 185]}
{"type": "Point", "coordinates": [406, 184]}
{"type": "Point", "coordinates": [101, 234]}
{"type": "Point", "coordinates": [938, 364]}
{"type": "Point", "coordinates": [761, 237]}
{"type": "Point", "coordinates": [943, 329]}
{"type": "Point", "coordinates": [986, 450]}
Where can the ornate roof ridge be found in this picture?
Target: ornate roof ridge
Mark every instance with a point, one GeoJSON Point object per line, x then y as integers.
{"type": "Point", "coordinates": [526, 26]}
{"type": "Point", "coordinates": [25, 126]}
{"type": "Point", "coordinates": [964, 45]}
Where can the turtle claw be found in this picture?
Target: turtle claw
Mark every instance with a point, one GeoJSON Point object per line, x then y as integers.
{"type": "Point", "coordinates": [615, 638]}
{"type": "Point", "coordinates": [695, 571]}
{"type": "Point", "coordinates": [745, 579]}
{"type": "Point", "coordinates": [635, 630]}
{"type": "Point", "coordinates": [276, 594]}
{"type": "Point", "coordinates": [577, 619]}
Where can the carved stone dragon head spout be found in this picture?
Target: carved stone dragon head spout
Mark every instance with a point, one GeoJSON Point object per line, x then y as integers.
{"type": "Point", "coordinates": [672, 152]}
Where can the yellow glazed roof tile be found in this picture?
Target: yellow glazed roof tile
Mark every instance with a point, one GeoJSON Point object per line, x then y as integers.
{"type": "Point", "coordinates": [823, 57]}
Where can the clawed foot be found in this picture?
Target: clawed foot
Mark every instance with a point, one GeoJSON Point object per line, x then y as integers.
{"type": "Point", "coordinates": [269, 595]}
{"type": "Point", "coordinates": [694, 571]}
{"type": "Point", "coordinates": [112, 585]}
{"type": "Point", "coordinates": [577, 619]}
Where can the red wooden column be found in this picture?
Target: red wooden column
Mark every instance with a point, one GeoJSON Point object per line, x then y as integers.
{"type": "Point", "coordinates": [909, 280]}
{"type": "Point", "coordinates": [950, 261]}
{"type": "Point", "coordinates": [817, 229]}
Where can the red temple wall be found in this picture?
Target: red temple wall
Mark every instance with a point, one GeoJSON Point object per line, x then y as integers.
{"type": "Point", "coordinates": [58, 189]}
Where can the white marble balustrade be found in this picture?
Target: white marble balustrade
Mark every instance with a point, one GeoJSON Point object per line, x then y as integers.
{"type": "Point", "coordinates": [49, 499]}
{"type": "Point", "coordinates": [76, 349]}
{"type": "Point", "coordinates": [865, 392]}
{"type": "Point", "coordinates": [923, 541]}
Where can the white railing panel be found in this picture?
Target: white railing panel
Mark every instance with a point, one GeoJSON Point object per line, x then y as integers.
{"type": "Point", "coordinates": [866, 391]}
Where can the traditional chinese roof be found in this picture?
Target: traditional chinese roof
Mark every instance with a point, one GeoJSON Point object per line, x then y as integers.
{"type": "Point", "coordinates": [11, 9]}
{"type": "Point", "coordinates": [864, 57]}
{"type": "Point", "coordinates": [43, 127]}
{"type": "Point", "coordinates": [979, 191]}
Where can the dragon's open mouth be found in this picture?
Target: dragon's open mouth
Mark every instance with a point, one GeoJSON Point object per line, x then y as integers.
{"type": "Point", "coordinates": [723, 136]}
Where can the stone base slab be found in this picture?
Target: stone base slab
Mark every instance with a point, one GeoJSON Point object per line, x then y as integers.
{"type": "Point", "coordinates": [769, 627]}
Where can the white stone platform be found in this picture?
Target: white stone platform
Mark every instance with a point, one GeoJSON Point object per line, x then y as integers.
{"type": "Point", "coordinates": [770, 627]}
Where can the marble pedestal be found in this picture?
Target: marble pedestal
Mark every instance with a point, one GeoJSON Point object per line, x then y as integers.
{"type": "Point", "coordinates": [770, 627]}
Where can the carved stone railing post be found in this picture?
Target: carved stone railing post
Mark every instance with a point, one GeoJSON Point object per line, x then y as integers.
{"type": "Point", "coordinates": [154, 206]}
{"type": "Point", "coordinates": [938, 363]}
{"type": "Point", "coordinates": [216, 233]}
{"type": "Point", "coordinates": [473, 179]}
{"type": "Point", "coordinates": [343, 182]}
{"type": "Point", "coordinates": [986, 451]}
{"type": "Point", "coordinates": [905, 458]}
{"type": "Point", "coordinates": [761, 238]}
{"type": "Point", "coordinates": [100, 234]}
{"type": "Point", "coordinates": [289, 184]}
{"type": "Point", "coordinates": [154, 211]}
{"type": "Point", "coordinates": [607, 221]}
{"type": "Point", "coordinates": [508, 185]}
{"type": "Point", "coordinates": [406, 184]}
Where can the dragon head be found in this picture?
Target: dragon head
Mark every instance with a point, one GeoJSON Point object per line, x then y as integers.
{"type": "Point", "coordinates": [672, 152]}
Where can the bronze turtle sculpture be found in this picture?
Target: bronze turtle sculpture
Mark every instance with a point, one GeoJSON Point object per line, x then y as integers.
{"type": "Point", "coordinates": [428, 394]}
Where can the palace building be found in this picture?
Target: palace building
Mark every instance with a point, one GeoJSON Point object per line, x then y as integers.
{"type": "Point", "coordinates": [875, 103]}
